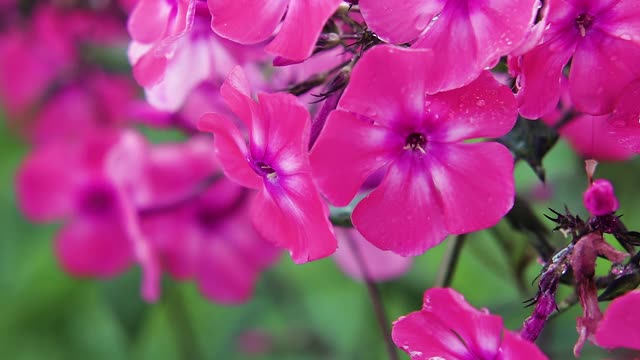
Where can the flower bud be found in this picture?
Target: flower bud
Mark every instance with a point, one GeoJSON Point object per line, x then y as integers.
{"type": "Point", "coordinates": [599, 198]}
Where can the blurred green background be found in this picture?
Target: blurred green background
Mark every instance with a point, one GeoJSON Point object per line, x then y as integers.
{"type": "Point", "coordinates": [312, 311]}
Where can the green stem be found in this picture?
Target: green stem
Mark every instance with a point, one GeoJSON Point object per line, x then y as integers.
{"type": "Point", "coordinates": [448, 266]}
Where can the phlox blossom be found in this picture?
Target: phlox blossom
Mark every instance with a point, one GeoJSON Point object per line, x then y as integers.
{"type": "Point", "coordinates": [436, 183]}
{"type": "Point", "coordinates": [287, 209]}
{"type": "Point", "coordinates": [602, 41]}
{"type": "Point", "coordinates": [92, 186]}
{"type": "Point", "coordinates": [202, 235]}
{"type": "Point", "coordinates": [449, 328]}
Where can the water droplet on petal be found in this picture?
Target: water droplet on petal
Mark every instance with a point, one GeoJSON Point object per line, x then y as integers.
{"type": "Point", "coordinates": [625, 37]}
{"type": "Point", "coordinates": [481, 102]}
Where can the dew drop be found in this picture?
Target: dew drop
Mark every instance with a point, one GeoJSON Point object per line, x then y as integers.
{"type": "Point", "coordinates": [481, 102]}
{"type": "Point", "coordinates": [625, 37]}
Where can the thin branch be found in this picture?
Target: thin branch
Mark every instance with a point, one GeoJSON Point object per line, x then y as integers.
{"type": "Point", "coordinates": [376, 300]}
{"type": "Point", "coordinates": [448, 266]}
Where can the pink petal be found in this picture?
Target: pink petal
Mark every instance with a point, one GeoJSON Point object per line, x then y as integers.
{"type": "Point", "coordinates": [379, 265]}
{"type": "Point", "coordinates": [401, 21]}
{"type": "Point", "coordinates": [148, 20]}
{"type": "Point", "coordinates": [230, 149]}
{"type": "Point", "coordinates": [246, 21]}
{"type": "Point", "coordinates": [94, 248]}
{"type": "Point", "coordinates": [624, 122]}
{"type": "Point", "coordinates": [480, 331]}
{"type": "Point", "coordinates": [280, 133]}
{"type": "Point", "coordinates": [291, 215]}
{"type": "Point", "coordinates": [296, 45]}
{"type": "Point", "coordinates": [222, 274]}
{"type": "Point", "coordinates": [424, 336]}
{"type": "Point", "coordinates": [619, 327]}
{"type": "Point", "coordinates": [472, 35]}
{"type": "Point", "coordinates": [391, 96]}
{"type": "Point", "coordinates": [601, 67]}
{"type": "Point", "coordinates": [540, 78]}
{"type": "Point", "coordinates": [475, 184]}
{"type": "Point", "coordinates": [514, 347]}
{"type": "Point", "coordinates": [149, 69]}
{"type": "Point", "coordinates": [237, 95]}
{"type": "Point", "coordinates": [44, 187]}
{"type": "Point", "coordinates": [589, 136]}
{"type": "Point", "coordinates": [403, 214]}
{"type": "Point", "coordinates": [348, 150]}
{"type": "Point", "coordinates": [484, 108]}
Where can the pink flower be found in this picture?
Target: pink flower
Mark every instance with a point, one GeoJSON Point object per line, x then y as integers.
{"type": "Point", "coordinates": [174, 50]}
{"type": "Point", "coordinates": [93, 188]}
{"type": "Point", "coordinates": [602, 39]}
{"type": "Point", "coordinates": [355, 252]}
{"type": "Point", "coordinates": [448, 327]}
{"type": "Point", "coordinates": [619, 326]}
{"type": "Point", "coordinates": [287, 210]}
{"type": "Point", "coordinates": [599, 198]}
{"type": "Point", "coordinates": [435, 183]}
{"type": "Point", "coordinates": [254, 21]}
{"type": "Point", "coordinates": [202, 235]}
{"type": "Point", "coordinates": [467, 35]}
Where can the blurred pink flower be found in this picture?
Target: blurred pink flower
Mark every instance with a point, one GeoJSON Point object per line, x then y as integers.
{"type": "Point", "coordinates": [380, 265]}
{"type": "Point", "coordinates": [602, 40]}
{"type": "Point", "coordinates": [619, 326]}
{"type": "Point", "coordinates": [436, 183]}
{"type": "Point", "coordinates": [254, 21]}
{"type": "Point", "coordinates": [208, 237]}
{"type": "Point", "coordinates": [448, 327]}
{"type": "Point", "coordinates": [468, 36]}
{"type": "Point", "coordinates": [93, 187]}
{"type": "Point", "coordinates": [287, 210]}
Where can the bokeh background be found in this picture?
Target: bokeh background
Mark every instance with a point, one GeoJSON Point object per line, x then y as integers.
{"type": "Point", "coordinates": [303, 312]}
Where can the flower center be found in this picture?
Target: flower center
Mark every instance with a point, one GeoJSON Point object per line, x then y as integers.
{"type": "Point", "coordinates": [583, 22]}
{"type": "Point", "coordinates": [415, 141]}
{"type": "Point", "coordinates": [97, 201]}
{"type": "Point", "coordinates": [266, 170]}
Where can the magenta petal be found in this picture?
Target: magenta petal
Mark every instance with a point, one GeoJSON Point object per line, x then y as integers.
{"type": "Point", "coordinates": [280, 134]}
{"type": "Point", "coordinates": [601, 67]}
{"type": "Point", "coordinates": [355, 251]}
{"type": "Point", "coordinates": [469, 36]}
{"type": "Point", "coordinates": [222, 273]}
{"type": "Point", "coordinates": [514, 347]}
{"type": "Point", "coordinates": [44, 187]}
{"type": "Point", "coordinates": [480, 331]}
{"type": "Point", "coordinates": [403, 214]}
{"type": "Point", "coordinates": [246, 21]}
{"type": "Point", "coordinates": [148, 20]}
{"type": "Point", "coordinates": [619, 327]}
{"type": "Point", "coordinates": [484, 108]}
{"type": "Point", "coordinates": [402, 21]}
{"type": "Point", "coordinates": [291, 215]}
{"type": "Point", "coordinates": [623, 124]}
{"type": "Point", "coordinates": [237, 95]}
{"type": "Point", "coordinates": [391, 96]}
{"type": "Point", "coordinates": [296, 45]}
{"type": "Point", "coordinates": [475, 183]}
{"type": "Point", "coordinates": [230, 149]}
{"type": "Point", "coordinates": [94, 248]}
{"type": "Point", "coordinates": [541, 72]}
{"type": "Point", "coordinates": [424, 336]}
{"type": "Point", "coordinates": [339, 167]}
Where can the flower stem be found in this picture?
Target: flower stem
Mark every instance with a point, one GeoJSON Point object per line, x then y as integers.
{"type": "Point", "coordinates": [181, 323]}
{"type": "Point", "coordinates": [448, 266]}
{"type": "Point", "coordinates": [376, 300]}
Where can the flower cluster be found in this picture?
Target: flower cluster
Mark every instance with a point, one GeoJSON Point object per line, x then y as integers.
{"type": "Point", "coordinates": [399, 114]}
